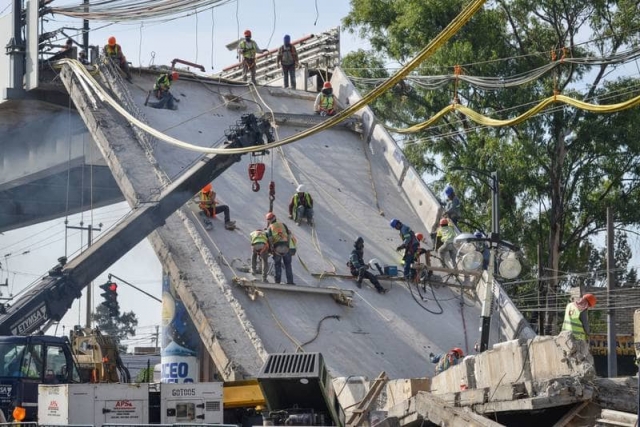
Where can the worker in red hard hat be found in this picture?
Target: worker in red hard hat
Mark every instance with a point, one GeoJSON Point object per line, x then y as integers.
{"type": "Point", "coordinates": [427, 258]}
{"type": "Point", "coordinates": [162, 91]}
{"type": "Point", "coordinates": [325, 102]}
{"type": "Point", "coordinates": [445, 236]}
{"type": "Point", "coordinates": [210, 207]}
{"type": "Point", "coordinates": [113, 51]}
{"type": "Point", "coordinates": [575, 316]}
{"type": "Point", "coordinates": [247, 50]}
{"type": "Point", "coordinates": [447, 360]}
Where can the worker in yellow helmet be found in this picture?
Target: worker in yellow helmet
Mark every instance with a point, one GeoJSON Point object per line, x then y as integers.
{"type": "Point", "coordinates": [575, 316]}
{"type": "Point", "coordinates": [113, 51]}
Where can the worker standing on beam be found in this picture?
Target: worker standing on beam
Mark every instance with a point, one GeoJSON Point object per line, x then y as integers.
{"type": "Point", "coordinates": [445, 236]}
{"type": "Point", "coordinates": [453, 206]}
{"type": "Point", "coordinates": [575, 316]}
{"type": "Point", "coordinates": [409, 244]}
{"type": "Point", "coordinates": [112, 50]}
{"type": "Point", "coordinates": [247, 50]}
{"type": "Point", "coordinates": [280, 242]}
{"type": "Point", "coordinates": [288, 60]}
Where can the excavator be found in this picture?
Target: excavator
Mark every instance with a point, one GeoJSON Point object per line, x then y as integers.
{"type": "Point", "coordinates": [29, 358]}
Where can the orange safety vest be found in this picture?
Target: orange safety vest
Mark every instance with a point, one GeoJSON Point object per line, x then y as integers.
{"type": "Point", "coordinates": [208, 202]}
{"type": "Point", "coordinates": [277, 233]}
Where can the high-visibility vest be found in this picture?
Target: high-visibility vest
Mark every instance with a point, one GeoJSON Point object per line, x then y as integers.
{"type": "Point", "coordinates": [248, 49]}
{"type": "Point", "coordinates": [446, 233]}
{"type": "Point", "coordinates": [208, 201]}
{"type": "Point", "coordinates": [296, 200]}
{"type": "Point", "coordinates": [572, 321]}
{"type": "Point", "coordinates": [277, 234]}
{"type": "Point", "coordinates": [162, 83]}
{"type": "Point", "coordinates": [112, 51]}
{"type": "Point", "coordinates": [258, 236]}
{"type": "Point", "coordinates": [326, 102]}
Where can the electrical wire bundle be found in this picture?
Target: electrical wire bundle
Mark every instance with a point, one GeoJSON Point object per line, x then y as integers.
{"type": "Point", "coordinates": [136, 10]}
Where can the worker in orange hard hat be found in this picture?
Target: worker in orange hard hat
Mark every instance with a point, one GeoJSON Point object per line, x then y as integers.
{"type": "Point", "coordinates": [113, 51]}
{"type": "Point", "coordinates": [247, 50]}
{"type": "Point", "coordinates": [210, 207]}
{"type": "Point", "coordinates": [447, 360]}
{"type": "Point", "coordinates": [575, 316]}
{"type": "Point", "coordinates": [162, 92]}
{"type": "Point", "coordinates": [325, 102]}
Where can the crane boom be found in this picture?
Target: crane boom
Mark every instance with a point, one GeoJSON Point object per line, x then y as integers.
{"type": "Point", "coordinates": [49, 300]}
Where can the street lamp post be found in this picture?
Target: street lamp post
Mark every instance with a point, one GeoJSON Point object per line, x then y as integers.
{"type": "Point", "coordinates": [485, 324]}
{"type": "Point", "coordinates": [494, 242]}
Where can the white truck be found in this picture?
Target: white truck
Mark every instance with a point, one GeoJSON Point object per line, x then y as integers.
{"type": "Point", "coordinates": [108, 404]}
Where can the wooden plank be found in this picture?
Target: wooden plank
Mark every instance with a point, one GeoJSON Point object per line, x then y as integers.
{"type": "Point", "coordinates": [293, 288]}
{"type": "Point", "coordinates": [358, 415]}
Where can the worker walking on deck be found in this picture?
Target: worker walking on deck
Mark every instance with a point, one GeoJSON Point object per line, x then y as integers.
{"type": "Point", "coordinates": [113, 51]}
{"type": "Point", "coordinates": [409, 245]}
{"type": "Point", "coordinates": [288, 60]}
{"type": "Point", "coordinates": [453, 206]}
{"type": "Point", "coordinates": [575, 316]}
{"type": "Point", "coordinates": [162, 92]}
{"type": "Point", "coordinates": [447, 360]}
{"type": "Point", "coordinates": [260, 249]}
{"type": "Point", "coordinates": [280, 243]}
{"type": "Point", "coordinates": [359, 268]}
{"type": "Point", "coordinates": [325, 102]}
{"type": "Point", "coordinates": [247, 50]}
{"type": "Point", "coordinates": [445, 236]}
{"type": "Point", "coordinates": [211, 208]}
{"type": "Point", "coordinates": [301, 206]}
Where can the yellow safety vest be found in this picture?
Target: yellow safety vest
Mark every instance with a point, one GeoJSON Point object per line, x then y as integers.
{"type": "Point", "coordinates": [326, 102]}
{"type": "Point", "coordinates": [572, 321]}
{"type": "Point", "coordinates": [248, 49]}
{"type": "Point", "coordinates": [278, 233]}
{"type": "Point", "coordinates": [208, 201]}
{"type": "Point", "coordinates": [296, 200]}
{"type": "Point", "coordinates": [112, 51]}
{"type": "Point", "coordinates": [258, 236]}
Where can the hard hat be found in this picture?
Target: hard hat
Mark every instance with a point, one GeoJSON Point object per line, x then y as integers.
{"type": "Point", "coordinates": [247, 33]}
{"type": "Point", "coordinates": [373, 262]}
{"type": "Point", "coordinates": [326, 85]}
{"type": "Point", "coordinates": [458, 350]}
{"type": "Point", "coordinates": [444, 221]}
{"type": "Point", "coordinates": [112, 41]}
{"type": "Point", "coordinates": [419, 236]}
{"type": "Point", "coordinates": [448, 190]}
{"type": "Point", "coordinates": [207, 188]}
{"type": "Point", "coordinates": [590, 299]}
{"type": "Point", "coordinates": [270, 216]}
{"type": "Point", "coordinates": [300, 188]}
{"type": "Point", "coordinates": [174, 75]}
{"type": "Point", "coordinates": [394, 222]}
{"type": "Point", "coordinates": [287, 38]}
{"type": "Point", "coordinates": [478, 234]}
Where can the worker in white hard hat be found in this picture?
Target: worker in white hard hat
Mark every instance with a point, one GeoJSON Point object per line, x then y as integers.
{"type": "Point", "coordinates": [301, 206]}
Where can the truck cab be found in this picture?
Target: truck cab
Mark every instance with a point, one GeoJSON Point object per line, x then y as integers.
{"type": "Point", "coordinates": [26, 362]}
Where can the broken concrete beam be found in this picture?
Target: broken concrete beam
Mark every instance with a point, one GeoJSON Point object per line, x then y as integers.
{"type": "Point", "coordinates": [529, 404]}
{"type": "Point", "coordinates": [555, 356]}
{"type": "Point", "coordinates": [397, 391]}
{"type": "Point", "coordinates": [473, 397]}
{"type": "Point", "coordinates": [618, 418]}
{"type": "Point", "coordinates": [435, 410]}
{"type": "Point", "coordinates": [505, 363]}
{"type": "Point", "coordinates": [451, 380]}
{"type": "Point", "coordinates": [619, 394]}
{"type": "Point", "coordinates": [507, 392]}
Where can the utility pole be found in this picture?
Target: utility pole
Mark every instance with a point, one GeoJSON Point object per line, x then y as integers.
{"type": "Point", "coordinates": [90, 229]}
{"type": "Point", "coordinates": [85, 30]}
{"type": "Point", "coordinates": [541, 313]}
{"type": "Point", "coordinates": [612, 355]}
{"type": "Point", "coordinates": [157, 335]}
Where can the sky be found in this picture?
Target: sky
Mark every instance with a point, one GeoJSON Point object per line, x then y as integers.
{"type": "Point", "coordinates": [27, 254]}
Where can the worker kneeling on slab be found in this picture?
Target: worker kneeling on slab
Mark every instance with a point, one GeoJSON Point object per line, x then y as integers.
{"type": "Point", "coordinates": [162, 92]}
{"type": "Point", "coordinates": [446, 360]}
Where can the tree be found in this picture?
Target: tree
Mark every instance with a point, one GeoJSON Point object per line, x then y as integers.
{"type": "Point", "coordinates": [559, 170]}
{"type": "Point", "coordinates": [119, 327]}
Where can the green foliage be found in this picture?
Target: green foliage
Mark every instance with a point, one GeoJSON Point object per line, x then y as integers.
{"type": "Point", "coordinates": [145, 375]}
{"type": "Point", "coordinates": [120, 328]}
{"type": "Point", "coordinates": [554, 189]}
